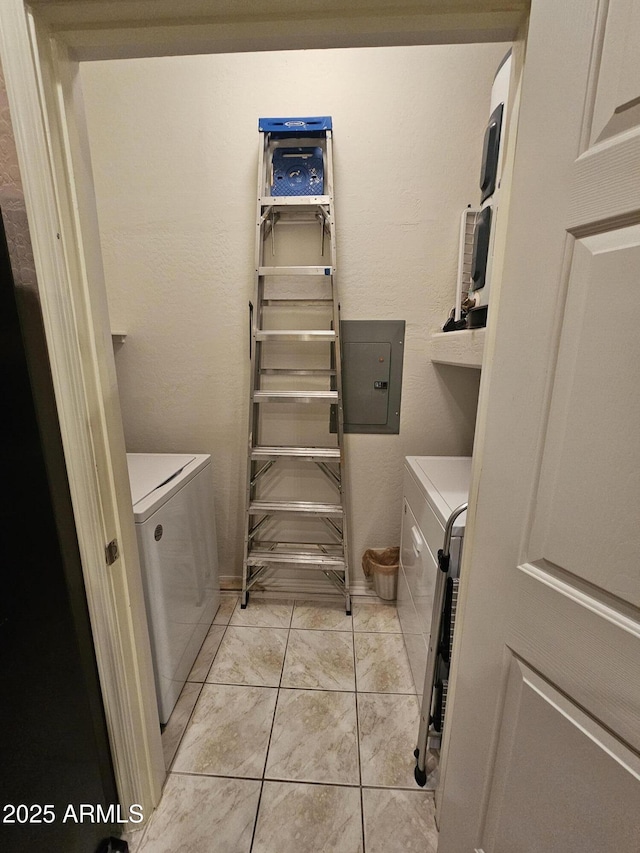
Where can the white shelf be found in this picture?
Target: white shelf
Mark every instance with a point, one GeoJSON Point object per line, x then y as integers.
{"type": "Point", "coordinates": [118, 337]}
{"type": "Point", "coordinates": [463, 348]}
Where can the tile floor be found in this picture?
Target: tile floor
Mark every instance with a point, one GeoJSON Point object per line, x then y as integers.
{"type": "Point", "coordinates": [295, 732]}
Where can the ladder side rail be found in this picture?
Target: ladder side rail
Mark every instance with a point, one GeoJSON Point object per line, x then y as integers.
{"type": "Point", "coordinates": [344, 493]}
{"type": "Point", "coordinates": [253, 422]}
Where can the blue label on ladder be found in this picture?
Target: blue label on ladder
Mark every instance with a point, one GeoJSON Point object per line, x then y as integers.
{"type": "Point", "coordinates": [297, 171]}
{"type": "Point", "coordinates": [289, 126]}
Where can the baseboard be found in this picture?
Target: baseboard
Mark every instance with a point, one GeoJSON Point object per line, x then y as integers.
{"type": "Point", "coordinates": [295, 586]}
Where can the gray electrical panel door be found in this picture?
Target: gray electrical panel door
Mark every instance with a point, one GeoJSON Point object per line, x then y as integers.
{"type": "Point", "coordinates": [372, 355]}
{"type": "Point", "coordinates": [366, 386]}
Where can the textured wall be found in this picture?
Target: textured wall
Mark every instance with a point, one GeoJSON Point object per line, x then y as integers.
{"type": "Point", "coordinates": [174, 147]}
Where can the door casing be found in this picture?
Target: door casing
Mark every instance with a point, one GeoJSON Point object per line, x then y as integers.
{"type": "Point", "coordinates": [41, 48]}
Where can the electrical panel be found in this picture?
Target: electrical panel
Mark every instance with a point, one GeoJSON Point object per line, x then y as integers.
{"type": "Point", "coordinates": [372, 357]}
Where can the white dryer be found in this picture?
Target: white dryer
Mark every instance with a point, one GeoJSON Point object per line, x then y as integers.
{"type": "Point", "coordinates": [173, 508]}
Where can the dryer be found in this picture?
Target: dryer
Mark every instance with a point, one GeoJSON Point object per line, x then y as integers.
{"type": "Point", "coordinates": [433, 487]}
{"type": "Point", "coordinates": [174, 513]}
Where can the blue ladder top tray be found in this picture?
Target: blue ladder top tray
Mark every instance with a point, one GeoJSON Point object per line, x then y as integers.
{"type": "Point", "coordinates": [297, 171]}
{"type": "Point", "coordinates": [295, 126]}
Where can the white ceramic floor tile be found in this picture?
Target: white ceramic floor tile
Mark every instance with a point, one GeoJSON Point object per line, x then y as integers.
{"type": "Point", "coordinates": [320, 660]}
{"type": "Point", "coordinates": [382, 665]}
{"type": "Point", "coordinates": [201, 814]}
{"type": "Point", "coordinates": [321, 616]}
{"type": "Point", "coordinates": [229, 731]}
{"type": "Point", "coordinates": [250, 656]}
{"type": "Point", "coordinates": [226, 608]}
{"type": "Point", "coordinates": [296, 818]}
{"type": "Point", "coordinates": [206, 654]}
{"type": "Point", "coordinates": [314, 738]}
{"type": "Point", "coordinates": [263, 613]}
{"type": "Point", "coordinates": [375, 616]}
{"type": "Point", "coordinates": [388, 729]}
{"type": "Point", "coordinates": [178, 720]}
{"type": "Point", "coordinates": [399, 821]}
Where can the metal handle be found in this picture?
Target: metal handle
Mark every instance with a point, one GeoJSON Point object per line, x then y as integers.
{"type": "Point", "coordinates": [443, 553]}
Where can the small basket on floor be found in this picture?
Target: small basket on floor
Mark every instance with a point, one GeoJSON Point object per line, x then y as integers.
{"type": "Point", "coordinates": [382, 564]}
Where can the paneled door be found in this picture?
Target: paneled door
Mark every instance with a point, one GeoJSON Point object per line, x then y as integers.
{"type": "Point", "coordinates": [544, 729]}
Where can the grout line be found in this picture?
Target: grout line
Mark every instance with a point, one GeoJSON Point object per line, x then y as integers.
{"type": "Point", "coordinates": [255, 821]}
{"type": "Point", "coordinates": [273, 720]}
{"type": "Point", "coordinates": [288, 781]}
{"type": "Point", "coordinates": [216, 776]}
{"type": "Point", "coordinates": [355, 674]}
{"type": "Point", "coordinates": [366, 787]}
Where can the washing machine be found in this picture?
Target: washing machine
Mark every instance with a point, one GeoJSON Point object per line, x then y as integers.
{"type": "Point", "coordinates": [433, 487]}
{"type": "Point", "coordinates": [174, 513]}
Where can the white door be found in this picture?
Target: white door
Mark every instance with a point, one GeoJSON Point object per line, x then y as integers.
{"type": "Point", "coordinates": [544, 727]}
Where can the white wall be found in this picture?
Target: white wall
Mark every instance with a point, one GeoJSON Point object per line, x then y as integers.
{"type": "Point", "coordinates": [174, 145]}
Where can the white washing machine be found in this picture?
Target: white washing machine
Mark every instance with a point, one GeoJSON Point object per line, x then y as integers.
{"type": "Point", "coordinates": [173, 508]}
{"type": "Point", "coordinates": [433, 487]}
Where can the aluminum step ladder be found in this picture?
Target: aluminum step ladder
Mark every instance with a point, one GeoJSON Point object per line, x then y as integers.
{"type": "Point", "coordinates": [296, 434]}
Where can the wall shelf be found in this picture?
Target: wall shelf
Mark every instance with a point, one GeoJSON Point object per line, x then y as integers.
{"type": "Point", "coordinates": [118, 337]}
{"type": "Point", "coordinates": [463, 348]}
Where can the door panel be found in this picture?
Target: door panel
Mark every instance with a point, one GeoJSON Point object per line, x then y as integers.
{"type": "Point", "coordinates": [617, 107]}
{"type": "Point", "coordinates": [549, 737]}
{"type": "Point", "coordinates": [590, 480]}
{"type": "Point", "coordinates": [589, 649]}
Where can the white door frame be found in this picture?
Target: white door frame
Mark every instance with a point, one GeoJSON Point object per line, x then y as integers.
{"type": "Point", "coordinates": [41, 48]}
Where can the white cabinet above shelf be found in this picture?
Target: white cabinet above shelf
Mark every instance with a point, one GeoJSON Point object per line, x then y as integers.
{"type": "Point", "coordinates": [463, 348]}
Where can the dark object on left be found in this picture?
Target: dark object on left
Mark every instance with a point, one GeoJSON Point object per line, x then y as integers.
{"type": "Point", "coordinates": [53, 736]}
{"type": "Point", "coordinates": [113, 845]}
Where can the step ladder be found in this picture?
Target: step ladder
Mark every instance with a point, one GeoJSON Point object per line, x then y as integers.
{"type": "Point", "coordinates": [295, 512]}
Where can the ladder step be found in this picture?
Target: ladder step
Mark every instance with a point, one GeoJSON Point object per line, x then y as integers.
{"type": "Point", "coordinates": [307, 453]}
{"type": "Point", "coordinates": [296, 335]}
{"type": "Point", "coordinates": [306, 270]}
{"type": "Point", "coordinates": [291, 303]}
{"type": "Point", "coordinates": [294, 200]}
{"type": "Point", "coordinates": [293, 396]}
{"type": "Point", "coordinates": [257, 557]}
{"type": "Point", "coordinates": [296, 371]}
{"type": "Point", "coordinates": [298, 507]}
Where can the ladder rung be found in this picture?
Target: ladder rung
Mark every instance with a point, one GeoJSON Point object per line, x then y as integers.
{"type": "Point", "coordinates": [298, 507]}
{"type": "Point", "coordinates": [294, 200]}
{"type": "Point", "coordinates": [293, 396]}
{"type": "Point", "coordinates": [296, 335]}
{"type": "Point", "coordinates": [295, 453]}
{"type": "Point", "coordinates": [257, 557]}
{"type": "Point", "coordinates": [313, 270]}
{"type": "Point", "coordinates": [308, 303]}
{"type": "Point", "coordinates": [291, 371]}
